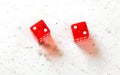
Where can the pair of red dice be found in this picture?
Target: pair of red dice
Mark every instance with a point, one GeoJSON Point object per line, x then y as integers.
{"type": "Point", "coordinates": [41, 30]}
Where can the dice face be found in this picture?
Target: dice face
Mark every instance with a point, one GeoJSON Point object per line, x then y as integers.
{"type": "Point", "coordinates": [40, 30]}
{"type": "Point", "coordinates": [80, 31]}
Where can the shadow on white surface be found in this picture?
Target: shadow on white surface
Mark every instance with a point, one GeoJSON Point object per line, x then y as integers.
{"type": "Point", "coordinates": [51, 49]}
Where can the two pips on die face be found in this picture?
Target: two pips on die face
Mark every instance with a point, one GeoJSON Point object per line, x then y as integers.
{"type": "Point", "coordinates": [80, 31]}
{"type": "Point", "coordinates": [41, 31]}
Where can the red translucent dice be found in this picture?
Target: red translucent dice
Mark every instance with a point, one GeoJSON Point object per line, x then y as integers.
{"type": "Point", "coordinates": [40, 30]}
{"type": "Point", "coordinates": [80, 31]}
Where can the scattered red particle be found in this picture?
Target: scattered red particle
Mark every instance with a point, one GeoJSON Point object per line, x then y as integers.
{"type": "Point", "coordinates": [80, 31]}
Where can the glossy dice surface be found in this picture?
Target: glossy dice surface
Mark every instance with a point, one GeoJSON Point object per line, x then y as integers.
{"type": "Point", "coordinates": [80, 31]}
{"type": "Point", "coordinates": [40, 30]}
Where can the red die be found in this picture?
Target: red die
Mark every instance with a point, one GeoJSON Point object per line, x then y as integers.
{"type": "Point", "coordinates": [80, 31]}
{"type": "Point", "coordinates": [40, 30]}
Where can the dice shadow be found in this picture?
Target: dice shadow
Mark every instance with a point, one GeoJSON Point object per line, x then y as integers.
{"type": "Point", "coordinates": [51, 49]}
{"type": "Point", "coordinates": [89, 46]}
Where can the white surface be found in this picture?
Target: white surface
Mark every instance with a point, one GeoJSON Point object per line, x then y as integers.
{"type": "Point", "coordinates": [19, 51]}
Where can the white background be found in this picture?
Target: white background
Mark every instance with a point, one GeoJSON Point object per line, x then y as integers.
{"type": "Point", "coordinates": [20, 53]}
